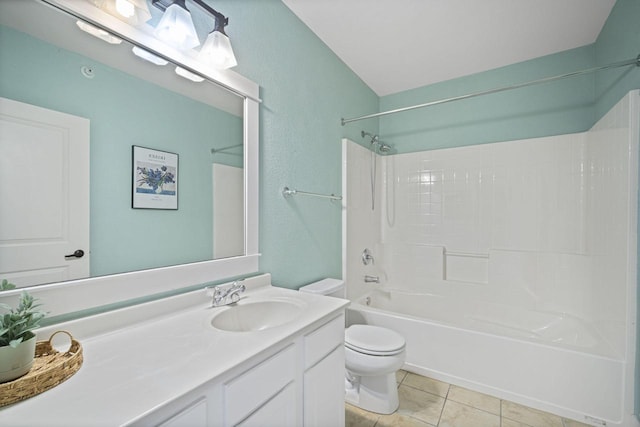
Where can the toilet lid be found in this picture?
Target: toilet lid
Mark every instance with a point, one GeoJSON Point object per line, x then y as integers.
{"type": "Point", "coordinates": [373, 340]}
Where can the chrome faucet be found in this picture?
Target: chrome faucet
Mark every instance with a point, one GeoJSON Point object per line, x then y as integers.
{"type": "Point", "coordinates": [234, 292]}
{"type": "Point", "coordinates": [226, 294]}
{"type": "Point", "coordinates": [367, 257]}
{"type": "Point", "coordinates": [371, 279]}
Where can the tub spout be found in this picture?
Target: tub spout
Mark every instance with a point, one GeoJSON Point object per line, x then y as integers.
{"type": "Point", "coordinates": [371, 279]}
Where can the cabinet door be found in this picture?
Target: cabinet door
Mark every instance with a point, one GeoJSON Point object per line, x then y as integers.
{"type": "Point", "coordinates": [278, 412]}
{"type": "Point", "coordinates": [323, 340]}
{"type": "Point", "coordinates": [248, 392]}
{"type": "Point", "coordinates": [192, 416]}
{"type": "Point", "coordinates": [324, 391]}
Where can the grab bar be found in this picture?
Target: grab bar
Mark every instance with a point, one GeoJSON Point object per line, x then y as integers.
{"type": "Point", "coordinates": [287, 192]}
{"type": "Point", "coordinates": [224, 149]}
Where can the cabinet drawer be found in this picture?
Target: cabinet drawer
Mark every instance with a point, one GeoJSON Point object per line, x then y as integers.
{"type": "Point", "coordinates": [247, 392]}
{"type": "Point", "coordinates": [323, 340]}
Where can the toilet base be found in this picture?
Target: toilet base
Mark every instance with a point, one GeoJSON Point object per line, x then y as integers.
{"type": "Point", "coordinates": [377, 394]}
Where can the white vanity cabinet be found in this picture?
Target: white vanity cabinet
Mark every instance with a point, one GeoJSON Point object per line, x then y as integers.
{"type": "Point", "coordinates": [324, 375]}
{"type": "Point", "coordinates": [264, 395]}
{"type": "Point", "coordinates": [291, 374]}
{"type": "Point", "coordinates": [301, 384]}
{"type": "Point", "coordinates": [193, 415]}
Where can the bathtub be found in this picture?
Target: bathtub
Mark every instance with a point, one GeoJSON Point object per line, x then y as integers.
{"type": "Point", "coordinates": [544, 360]}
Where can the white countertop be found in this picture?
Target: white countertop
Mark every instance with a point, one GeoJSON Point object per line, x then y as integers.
{"type": "Point", "coordinates": [140, 358]}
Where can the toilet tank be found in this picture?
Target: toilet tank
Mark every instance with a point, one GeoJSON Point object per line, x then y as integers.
{"type": "Point", "coordinates": [328, 287]}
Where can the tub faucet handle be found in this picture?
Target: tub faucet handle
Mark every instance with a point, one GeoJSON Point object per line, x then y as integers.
{"type": "Point", "coordinates": [367, 257]}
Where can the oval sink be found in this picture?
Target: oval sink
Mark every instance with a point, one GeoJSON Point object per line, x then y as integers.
{"type": "Point", "coordinates": [256, 316]}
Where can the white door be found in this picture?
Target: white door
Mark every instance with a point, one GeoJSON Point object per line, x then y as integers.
{"type": "Point", "coordinates": [228, 211]}
{"type": "Point", "coordinates": [44, 194]}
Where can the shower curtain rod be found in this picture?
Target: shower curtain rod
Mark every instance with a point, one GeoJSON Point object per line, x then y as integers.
{"type": "Point", "coordinates": [635, 61]}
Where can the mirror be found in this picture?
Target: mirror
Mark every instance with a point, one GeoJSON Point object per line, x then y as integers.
{"type": "Point", "coordinates": [49, 63]}
{"type": "Point", "coordinates": [63, 298]}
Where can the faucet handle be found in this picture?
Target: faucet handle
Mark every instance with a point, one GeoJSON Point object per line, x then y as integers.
{"type": "Point", "coordinates": [217, 295]}
{"type": "Point", "coordinates": [235, 297]}
{"type": "Point", "coordinates": [367, 257]}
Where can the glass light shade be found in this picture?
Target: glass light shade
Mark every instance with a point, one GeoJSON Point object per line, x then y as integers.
{"type": "Point", "coordinates": [125, 8]}
{"type": "Point", "coordinates": [217, 51]}
{"type": "Point", "coordinates": [188, 75]}
{"type": "Point", "coordinates": [176, 28]}
{"type": "Point", "coordinates": [148, 56]}
{"type": "Point", "coordinates": [133, 12]}
{"type": "Point", "coordinates": [142, 11]}
{"type": "Point", "coordinates": [98, 32]}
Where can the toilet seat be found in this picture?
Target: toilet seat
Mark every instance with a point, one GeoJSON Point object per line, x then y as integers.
{"type": "Point", "coordinates": [373, 340]}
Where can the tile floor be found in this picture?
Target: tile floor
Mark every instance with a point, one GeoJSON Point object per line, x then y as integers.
{"type": "Point", "coordinates": [425, 402]}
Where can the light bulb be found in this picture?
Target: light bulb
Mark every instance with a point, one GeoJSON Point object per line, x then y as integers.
{"type": "Point", "coordinates": [134, 12]}
{"type": "Point", "coordinates": [125, 8]}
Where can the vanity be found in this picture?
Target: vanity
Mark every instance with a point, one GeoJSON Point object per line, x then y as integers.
{"type": "Point", "coordinates": [164, 363]}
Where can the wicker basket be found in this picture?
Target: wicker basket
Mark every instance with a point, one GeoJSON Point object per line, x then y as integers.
{"type": "Point", "coordinates": [50, 368]}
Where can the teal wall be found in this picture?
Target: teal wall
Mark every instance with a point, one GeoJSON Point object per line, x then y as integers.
{"type": "Point", "coordinates": [306, 90]}
{"type": "Point", "coordinates": [122, 238]}
{"type": "Point", "coordinates": [619, 40]}
{"type": "Point", "coordinates": [550, 109]}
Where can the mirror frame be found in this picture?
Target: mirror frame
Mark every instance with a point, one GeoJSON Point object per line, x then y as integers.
{"type": "Point", "coordinates": [85, 294]}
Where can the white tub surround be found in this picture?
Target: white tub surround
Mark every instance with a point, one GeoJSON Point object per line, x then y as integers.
{"type": "Point", "coordinates": [492, 349]}
{"type": "Point", "coordinates": [144, 364]}
{"type": "Point", "coordinates": [510, 268]}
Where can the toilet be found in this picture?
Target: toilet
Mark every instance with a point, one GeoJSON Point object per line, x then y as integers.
{"type": "Point", "coordinates": [373, 354]}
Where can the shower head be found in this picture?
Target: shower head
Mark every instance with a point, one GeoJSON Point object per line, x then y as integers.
{"type": "Point", "coordinates": [377, 145]}
{"type": "Point", "coordinates": [384, 148]}
{"type": "Point", "coordinates": [374, 138]}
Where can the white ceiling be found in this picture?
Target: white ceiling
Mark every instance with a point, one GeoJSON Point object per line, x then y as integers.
{"type": "Point", "coordinates": [396, 45]}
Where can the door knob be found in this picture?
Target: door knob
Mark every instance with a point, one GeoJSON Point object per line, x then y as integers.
{"type": "Point", "coordinates": [77, 254]}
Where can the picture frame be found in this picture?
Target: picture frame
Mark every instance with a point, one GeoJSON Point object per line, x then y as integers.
{"type": "Point", "coordinates": [155, 179]}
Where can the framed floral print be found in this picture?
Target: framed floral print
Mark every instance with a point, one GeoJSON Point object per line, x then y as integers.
{"type": "Point", "coordinates": [155, 179]}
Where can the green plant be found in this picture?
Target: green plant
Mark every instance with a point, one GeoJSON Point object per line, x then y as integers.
{"type": "Point", "coordinates": [17, 325]}
{"type": "Point", "coordinates": [6, 286]}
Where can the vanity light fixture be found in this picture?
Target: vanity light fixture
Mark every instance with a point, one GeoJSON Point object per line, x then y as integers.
{"type": "Point", "coordinates": [216, 50]}
{"type": "Point", "coordinates": [148, 56]}
{"type": "Point", "coordinates": [98, 32]}
{"type": "Point", "coordinates": [134, 12]}
{"type": "Point", "coordinates": [188, 75]}
{"type": "Point", "coordinates": [176, 26]}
